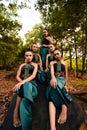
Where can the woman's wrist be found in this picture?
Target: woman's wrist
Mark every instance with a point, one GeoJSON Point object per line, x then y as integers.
{"type": "Point", "coordinates": [53, 77]}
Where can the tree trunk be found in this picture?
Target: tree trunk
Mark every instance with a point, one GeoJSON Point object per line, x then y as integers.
{"type": "Point", "coordinates": [70, 58]}
{"type": "Point", "coordinates": [84, 54]}
{"type": "Point", "coordinates": [62, 48]}
{"type": "Point", "coordinates": [83, 60]}
{"type": "Point", "coordinates": [76, 56]}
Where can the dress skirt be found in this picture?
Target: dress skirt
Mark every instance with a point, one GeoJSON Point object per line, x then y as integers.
{"type": "Point", "coordinates": [43, 53]}
{"type": "Point", "coordinates": [58, 95]}
{"type": "Point", "coordinates": [28, 92]}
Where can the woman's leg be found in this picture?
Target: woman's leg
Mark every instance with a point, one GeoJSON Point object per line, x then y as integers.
{"type": "Point", "coordinates": [16, 121]}
{"type": "Point", "coordinates": [52, 114]}
{"type": "Point", "coordinates": [63, 115]}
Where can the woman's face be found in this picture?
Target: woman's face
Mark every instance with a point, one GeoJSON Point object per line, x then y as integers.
{"type": "Point", "coordinates": [57, 55]}
{"type": "Point", "coordinates": [52, 48]}
{"type": "Point", "coordinates": [28, 56]}
{"type": "Point", "coordinates": [35, 48]}
{"type": "Point", "coordinates": [45, 33]}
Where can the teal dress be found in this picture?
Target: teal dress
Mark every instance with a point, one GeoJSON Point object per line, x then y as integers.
{"type": "Point", "coordinates": [28, 92]}
{"type": "Point", "coordinates": [51, 58]}
{"type": "Point", "coordinates": [36, 58]}
{"type": "Point", "coordinates": [48, 76]}
{"type": "Point", "coordinates": [40, 74]}
{"type": "Point", "coordinates": [44, 51]}
{"type": "Point", "coordinates": [59, 95]}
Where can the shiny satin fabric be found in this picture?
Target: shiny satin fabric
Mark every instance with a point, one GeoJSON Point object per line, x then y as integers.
{"type": "Point", "coordinates": [59, 95]}
{"type": "Point", "coordinates": [29, 93]}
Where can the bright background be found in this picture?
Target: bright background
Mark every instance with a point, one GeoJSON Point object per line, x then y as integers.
{"type": "Point", "coordinates": [28, 17]}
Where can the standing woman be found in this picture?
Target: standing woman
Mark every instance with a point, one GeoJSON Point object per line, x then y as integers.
{"type": "Point", "coordinates": [44, 50]}
{"type": "Point", "coordinates": [56, 90]}
{"type": "Point", "coordinates": [26, 91]}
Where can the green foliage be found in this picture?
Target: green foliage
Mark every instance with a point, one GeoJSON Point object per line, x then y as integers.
{"type": "Point", "coordinates": [35, 35]}
{"type": "Point", "coordinates": [74, 64]}
{"type": "Point", "coordinates": [16, 4]}
{"type": "Point", "coordinates": [79, 82]}
{"type": "Point", "coordinates": [8, 54]}
{"type": "Point", "coordinates": [10, 42]}
{"type": "Point", "coordinates": [67, 21]}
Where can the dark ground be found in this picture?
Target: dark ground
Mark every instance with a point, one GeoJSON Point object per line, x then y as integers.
{"type": "Point", "coordinates": [40, 115]}
{"type": "Point", "coordinates": [40, 112]}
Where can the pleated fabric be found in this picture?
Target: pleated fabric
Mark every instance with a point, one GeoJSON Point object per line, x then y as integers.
{"type": "Point", "coordinates": [58, 95]}
{"type": "Point", "coordinates": [28, 92]}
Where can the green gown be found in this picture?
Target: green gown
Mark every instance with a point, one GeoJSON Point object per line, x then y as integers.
{"type": "Point", "coordinates": [59, 95]}
{"type": "Point", "coordinates": [48, 76]}
{"type": "Point", "coordinates": [28, 92]}
{"type": "Point", "coordinates": [40, 74]}
{"type": "Point", "coordinates": [44, 51]}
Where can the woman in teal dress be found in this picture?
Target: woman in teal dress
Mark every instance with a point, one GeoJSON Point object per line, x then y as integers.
{"type": "Point", "coordinates": [36, 56]}
{"type": "Point", "coordinates": [44, 49]}
{"type": "Point", "coordinates": [37, 59]}
{"type": "Point", "coordinates": [50, 57]}
{"type": "Point", "coordinates": [57, 94]}
{"type": "Point", "coordinates": [26, 91]}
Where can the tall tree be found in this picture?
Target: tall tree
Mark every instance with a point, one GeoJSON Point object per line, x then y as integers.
{"type": "Point", "coordinates": [35, 35]}
{"type": "Point", "coordinates": [64, 17]}
{"type": "Point", "coordinates": [9, 39]}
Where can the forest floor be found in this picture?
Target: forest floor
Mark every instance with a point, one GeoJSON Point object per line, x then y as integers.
{"type": "Point", "coordinates": [77, 87]}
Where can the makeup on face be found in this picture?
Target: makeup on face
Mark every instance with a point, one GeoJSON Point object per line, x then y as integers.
{"type": "Point", "coordinates": [28, 55]}
{"type": "Point", "coordinates": [56, 54]}
{"type": "Point", "coordinates": [45, 33]}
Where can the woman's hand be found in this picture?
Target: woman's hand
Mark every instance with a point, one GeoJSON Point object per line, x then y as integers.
{"type": "Point", "coordinates": [17, 86]}
{"type": "Point", "coordinates": [66, 87]}
{"type": "Point", "coordinates": [46, 69]}
{"type": "Point", "coordinates": [53, 82]}
{"type": "Point", "coordinates": [41, 68]}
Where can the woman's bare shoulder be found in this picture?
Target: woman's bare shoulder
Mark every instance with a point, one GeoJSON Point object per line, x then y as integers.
{"type": "Point", "coordinates": [53, 62]}
{"type": "Point", "coordinates": [22, 64]}
{"type": "Point", "coordinates": [34, 64]}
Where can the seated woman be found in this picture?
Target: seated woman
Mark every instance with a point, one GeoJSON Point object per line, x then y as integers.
{"type": "Point", "coordinates": [56, 90]}
{"type": "Point", "coordinates": [37, 59]}
{"type": "Point", "coordinates": [26, 91]}
{"type": "Point", "coordinates": [36, 56]}
{"type": "Point", "coordinates": [50, 57]}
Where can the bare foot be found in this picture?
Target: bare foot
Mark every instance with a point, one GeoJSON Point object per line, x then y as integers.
{"type": "Point", "coordinates": [62, 118]}
{"type": "Point", "coordinates": [16, 121]}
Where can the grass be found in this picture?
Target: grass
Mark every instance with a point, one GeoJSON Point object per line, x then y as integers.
{"type": "Point", "coordinates": [79, 82]}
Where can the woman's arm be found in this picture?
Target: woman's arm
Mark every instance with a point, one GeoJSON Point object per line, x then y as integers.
{"type": "Point", "coordinates": [50, 40]}
{"type": "Point", "coordinates": [17, 86]}
{"type": "Point", "coordinates": [40, 64]}
{"type": "Point", "coordinates": [47, 62]}
{"type": "Point", "coordinates": [44, 45]}
{"type": "Point", "coordinates": [66, 72]}
{"type": "Point", "coordinates": [19, 73]}
{"type": "Point", "coordinates": [66, 75]}
{"type": "Point", "coordinates": [53, 81]}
